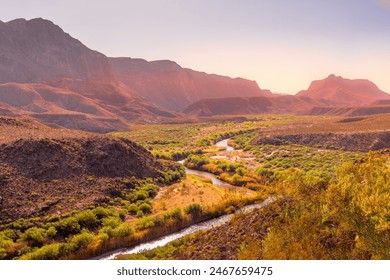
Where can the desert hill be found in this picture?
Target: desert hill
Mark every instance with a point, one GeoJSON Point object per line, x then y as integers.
{"type": "Point", "coordinates": [49, 75]}
{"type": "Point", "coordinates": [44, 72]}
{"type": "Point", "coordinates": [331, 96]}
{"type": "Point", "coordinates": [251, 105]}
{"type": "Point", "coordinates": [349, 111]}
{"type": "Point", "coordinates": [338, 91]}
{"type": "Point", "coordinates": [172, 87]}
{"type": "Point", "coordinates": [363, 133]}
{"type": "Point", "coordinates": [38, 51]}
{"type": "Point", "coordinates": [61, 170]}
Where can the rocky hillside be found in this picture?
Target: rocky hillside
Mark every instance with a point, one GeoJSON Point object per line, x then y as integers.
{"type": "Point", "coordinates": [250, 105]}
{"type": "Point", "coordinates": [47, 74]}
{"type": "Point", "coordinates": [39, 51]}
{"type": "Point", "coordinates": [172, 87]}
{"type": "Point", "coordinates": [44, 170]}
{"type": "Point", "coordinates": [349, 111]}
{"type": "Point", "coordinates": [362, 142]}
{"type": "Point", "coordinates": [338, 91]}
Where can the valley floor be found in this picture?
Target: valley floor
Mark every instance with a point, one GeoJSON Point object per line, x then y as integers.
{"type": "Point", "coordinates": [331, 204]}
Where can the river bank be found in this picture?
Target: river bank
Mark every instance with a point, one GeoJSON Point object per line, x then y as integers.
{"type": "Point", "coordinates": [211, 220]}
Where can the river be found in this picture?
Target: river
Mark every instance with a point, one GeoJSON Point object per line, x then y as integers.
{"type": "Point", "coordinates": [203, 174]}
{"type": "Point", "coordinates": [191, 229]}
{"type": "Point", "coordinates": [224, 143]}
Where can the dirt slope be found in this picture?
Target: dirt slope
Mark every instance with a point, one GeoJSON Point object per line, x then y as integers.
{"type": "Point", "coordinates": [44, 170]}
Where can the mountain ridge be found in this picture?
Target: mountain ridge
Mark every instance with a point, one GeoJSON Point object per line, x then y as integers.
{"type": "Point", "coordinates": [338, 91]}
{"type": "Point", "coordinates": [53, 77]}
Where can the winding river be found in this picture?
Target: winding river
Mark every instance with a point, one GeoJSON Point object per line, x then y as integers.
{"type": "Point", "coordinates": [191, 229]}
{"type": "Point", "coordinates": [203, 174]}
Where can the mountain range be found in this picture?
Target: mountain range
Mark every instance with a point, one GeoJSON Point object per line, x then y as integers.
{"type": "Point", "coordinates": [52, 77]}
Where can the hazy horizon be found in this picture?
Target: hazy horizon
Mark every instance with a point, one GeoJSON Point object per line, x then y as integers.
{"type": "Point", "coordinates": [283, 45]}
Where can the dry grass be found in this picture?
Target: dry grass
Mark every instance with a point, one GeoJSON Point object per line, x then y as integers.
{"type": "Point", "coordinates": [195, 190]}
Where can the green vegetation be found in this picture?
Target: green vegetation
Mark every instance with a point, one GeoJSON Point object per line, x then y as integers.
{"type": "Point", "coordinates": [314, 217]}
{"type": "Point", "coordinates": [342, 218]}
{"type": "Point", "coordinates": [177, 141]}
{"type": "Point", "coordinates": [278, 158]}
{"type": "Point", "coordinates": [331, 204]}
{"type": "Point", "coordinates": [56, 237]}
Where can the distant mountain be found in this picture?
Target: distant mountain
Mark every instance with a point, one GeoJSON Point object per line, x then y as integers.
{"type": "Point", "coordinates": [172, 87]}
{"type": "Point", "coordinates": [251, 105]}
{"type": "Point", "coordinates": [337, 91]}
{"type": "Point", "coordinates": [47, 74]}
{"type": "Point", "coordinates": [38, 51]}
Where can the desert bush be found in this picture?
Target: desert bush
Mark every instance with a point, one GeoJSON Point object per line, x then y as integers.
{"type": "Point", "coordinates": [145, 208]}
{"type": "Point", "coordinates": [5, 242]}
{"type": "Point", "coordinates": [102, 212]}
{"type": "Point", "coordinates": [47, 252]}
{"type": "Point", "coordinates": [174, 214]}
{"type": "Point", "coordinates": [67, 226]}
{"type": "Point", "coordinates": [112, 222]}
{"type": "Point", "coordinates": [36, 236]}
{"type": "Point", "coordinates": [123, 230]}
{"type": "Point", "coordinates": [87, 219]}
{"type": "Point", "coordinates": [133, 209]}
{"type": "Point", "coordinates": [195, 210]}
{"type": "Point", "coordinates": [82, 240]}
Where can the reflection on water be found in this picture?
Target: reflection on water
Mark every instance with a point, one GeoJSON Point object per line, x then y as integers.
{"type": "Point", "coordinates": [191, 229]}
{"type": "Point", "coordinates": [204, 174]}
{"type": "Point", "coordinates": [224, 143]}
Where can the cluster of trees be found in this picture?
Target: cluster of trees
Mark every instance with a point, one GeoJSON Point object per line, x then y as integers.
{"type": "Point", "coordinates": [346, 217]}
{"type": "Point", "coordinates": [58, 237]}
{"type": "Point", "coordinates": [55, 237]}
{"type": "Point", "coordinates": [314, 216]}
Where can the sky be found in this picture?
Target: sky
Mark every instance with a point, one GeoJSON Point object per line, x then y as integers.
{"type": "Point", "coordinates": [281, 44]}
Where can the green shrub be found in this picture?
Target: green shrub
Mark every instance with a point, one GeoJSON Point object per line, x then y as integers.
{"type": "Point", "coordinates": [82, 240]}
{"type": "Point", "coordinates": [87, 219]}
{"type": "Point", "coordinates": [36, 236]}
{"type": "Point", "coordinates": [68, 226]}
{"type": "Point", "coordinates": [140, 214]}
{"type": "Point", "coordinates": [5, 242]}
{"type": "Point", "coordinates": [122, 214]}
{"type": "Point", "coordinates": [48, 252]}
{"type": "Point", "coordinates": [51, 232]}
{"type": "Point", "coordinates": [101, 212]}
{"type": "Point", "coordinates": [106, 231]}
{"type": "Point", "coordinates": [195, 210]}
{"type": "Point", "coordinates": [174, 213]}
{"type": "Point", "coordinates": [123, 230]}
{"type": "Point", "coordinates": [133, 209]}
{"type": "Point", "coordinates": [145, 208]}
{"type": "Point", "coordinates": [112, 222]}
{"type": "Point", "coordinates": [145, 223]}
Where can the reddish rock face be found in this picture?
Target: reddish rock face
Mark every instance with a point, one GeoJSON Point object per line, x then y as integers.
{"type": "Point", "coordinates": [251, 105]}
{"type": "Point", "coordinates": [39, 51]}
{"type": "Point", "coordinates": [47, 74]}
{"type": "Point", "coordinates": [170, 86]}
{"type": "Point", "coordinates": [337, 91]}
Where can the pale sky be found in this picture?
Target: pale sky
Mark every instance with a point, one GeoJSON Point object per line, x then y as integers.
{"type": "Point", "coordinates": [282, 44]}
